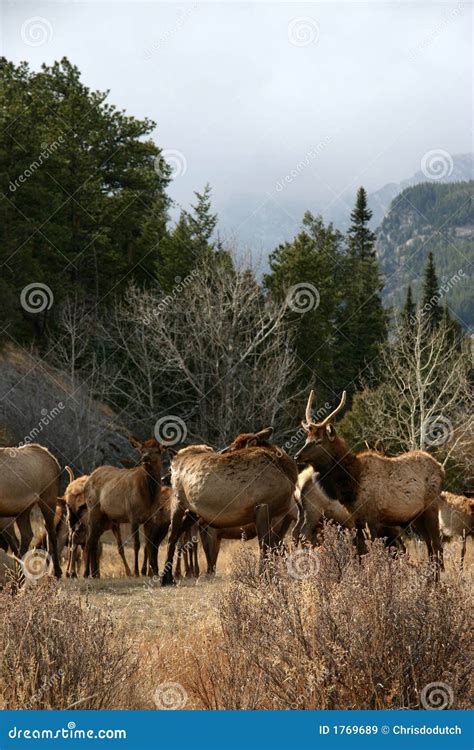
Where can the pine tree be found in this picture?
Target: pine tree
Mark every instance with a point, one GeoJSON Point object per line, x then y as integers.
{"type": "Point", "coordinates": [305, 274]}
{"type": "Point", "coordinates": [80, 180]}
{"type": "Point", "coordinates": [409, 309]}
{"type": "Point", "coordinates": [361, 239]}
{"type": "Point", "coordinates": [430, 296]}
{"type": "Point", "coordinates": [362, 322]}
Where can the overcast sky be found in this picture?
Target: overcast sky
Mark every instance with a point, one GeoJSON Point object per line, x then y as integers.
{"type": "Point", "coordinates": [355, 93]}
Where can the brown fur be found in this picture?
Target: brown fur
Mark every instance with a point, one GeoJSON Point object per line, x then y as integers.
{"type": "Point", "coordinates": [117, 496]}
{"type": "Point", "coordinates": [378, 491]}
{"type": "Point", "coordinates": [29, 475]}
{"type": "Point", "coordinates": [456, 518]}
{"type": "Point", "coordinates": [78, 522]}
{"type": "Point", "coordinates": [230, 489]}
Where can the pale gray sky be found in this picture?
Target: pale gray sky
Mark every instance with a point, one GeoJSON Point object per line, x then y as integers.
{"type": "Point", "coordinates": [245, 92]}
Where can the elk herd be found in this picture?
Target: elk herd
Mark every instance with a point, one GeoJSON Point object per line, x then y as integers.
{"type": "Point", "coordinates": [251, 488]}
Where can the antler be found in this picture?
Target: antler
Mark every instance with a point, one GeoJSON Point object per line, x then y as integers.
{"type": "Point", "coordinates": [308, 415]}
{"type": "Point", "coordinates": [336, 411]}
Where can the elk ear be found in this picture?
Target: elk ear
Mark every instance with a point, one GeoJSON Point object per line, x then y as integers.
{"type": "Point", "coordinates": [134, 442]}
{"type": "Point", "coordinates": [331, 432]}
{"type": "Point", "coordinates": [265, 434]}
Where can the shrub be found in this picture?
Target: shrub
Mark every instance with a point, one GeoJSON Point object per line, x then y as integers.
{"type": "Point", "coordinates": [57, 652]}
{"type": "Point", "coordinates": [332, 632]}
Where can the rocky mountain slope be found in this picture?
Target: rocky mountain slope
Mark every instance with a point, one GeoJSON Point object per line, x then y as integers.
{"type": "Point", "coordinates": [430, 217]}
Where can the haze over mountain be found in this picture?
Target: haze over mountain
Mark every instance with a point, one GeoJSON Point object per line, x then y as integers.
{"type": "Point", "coordinates": [261, 221]}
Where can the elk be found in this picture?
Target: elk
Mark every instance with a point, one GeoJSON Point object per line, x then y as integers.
{"type": "Point", "coordinates": [456, 518]}
{"type": "Point", "coordinates": [77, 521]}
{"type": "Point", "coordinates": [157, 531]}
{"type": "Point", "coordinates": [29, 475]}
{"type": "Point", "coordinates": [378, 491]}
{"type": "Point", "coordinates": [123, 495]}
{"type": "Point", "coordinates": [244, 485]}
{"type": "Point", "coordinates": [314, 506]}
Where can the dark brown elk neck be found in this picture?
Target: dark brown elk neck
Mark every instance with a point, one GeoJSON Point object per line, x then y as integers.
{"type": "Point", "coordinates": [339, 478]}
{"type": "Point", "coordinates": [151, 474]}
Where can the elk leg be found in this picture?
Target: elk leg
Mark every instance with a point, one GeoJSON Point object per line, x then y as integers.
{"type": "Point", "coordinates": [118, 537]}
{"type": "Point", "coordinates": [136, 548]}
{"type": "Point", "coordinates": [180, 522]}
{"type": "Point", "coordinates": [26, 532]}
{"type": "Point", "coordinates": [94, 532]}
{"type": "Point", "coordinates": [179, 554]}
{"type": "Point", "coordinates": [463, 548]}
{"type": "Point", "coordinates": [9, 540]}
{"type": "Point", "coordinates": [158, 536]}
{"type": "Point", "coordinates": [264, 533]}
{"type": "Point", "coordinates": [148, 527]}
{"type": "Point", "coordinates": [283, 528]}
{"type": "Point", "coordinates": [49, 521]}
{"type": "Point", "coordinates": [144, 569]}
{"type": "Point", "coordinates": [193, 555]}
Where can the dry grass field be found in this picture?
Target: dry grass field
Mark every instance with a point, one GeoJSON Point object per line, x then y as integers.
{"type": "Point", "coordinates": [341, 635]}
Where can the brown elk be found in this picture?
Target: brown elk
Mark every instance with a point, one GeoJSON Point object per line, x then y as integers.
{"type": "Point", "coordinates": [379, 491]}
{"type": "Point", "coordinates": [77, 519]}
{"type": "Point", "coordinates": [245, 485]}
{"type": "Point", "coordinates": [157, 531]}
{"type": "Point", "coordinates": [29, 475]}
{"type": "Point", "coordinates": [123, 495]}
{"type": "Point", "coordinates": [456, 518]}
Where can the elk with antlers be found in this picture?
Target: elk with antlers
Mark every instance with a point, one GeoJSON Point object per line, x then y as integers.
{"type": "Point", "coordinates": [377, 490]}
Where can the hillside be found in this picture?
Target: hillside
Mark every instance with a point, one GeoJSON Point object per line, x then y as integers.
{"type": "Point", "coordinates": [430, 217]}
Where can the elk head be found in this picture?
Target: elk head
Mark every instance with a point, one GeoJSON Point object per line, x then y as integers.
{"type": "Point", "coordinates": [250, 439]}
{"type": "Point", "coordinates": [150, 453]}
{"type": "Point", "coordinates": [322, 443]}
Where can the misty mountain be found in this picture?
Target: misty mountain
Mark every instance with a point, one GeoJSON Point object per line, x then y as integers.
{"type": "Point", "coordinates": [261, 221]}
{"type": "Point", "coordinates": [430, 217]}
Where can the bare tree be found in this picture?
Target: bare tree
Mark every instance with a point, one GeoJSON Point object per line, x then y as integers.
{"type": "Point", "coordinates": [215, 352]}
{"type": "Point", "coordinates": [425, 400]}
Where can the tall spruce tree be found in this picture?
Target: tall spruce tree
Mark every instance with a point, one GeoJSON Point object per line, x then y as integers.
{"type": "Point", "coordinates": [430, 296]}
{"type": "Point", "coordinates": [362, 321]}
{"type": "Point", "coordinates": [409, 309]}
{"type": "Point", "coordinates": [190, 242]}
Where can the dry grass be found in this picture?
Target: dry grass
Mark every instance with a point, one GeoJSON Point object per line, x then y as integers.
{"type": "Point", "coordinates": [352, 636]}
{"type": "Point", "coordinates": [59, 652]}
